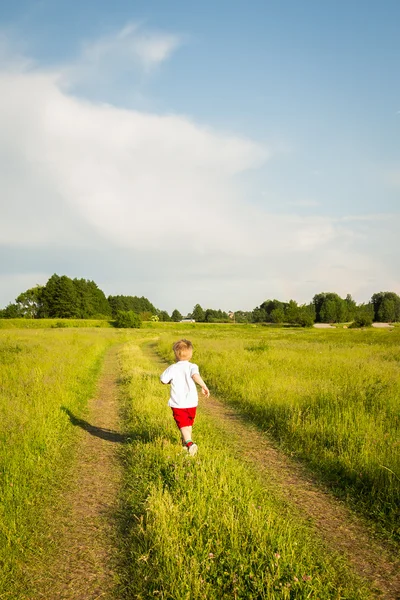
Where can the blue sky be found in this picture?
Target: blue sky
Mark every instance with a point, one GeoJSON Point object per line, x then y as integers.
{"type": "Point", "coordinates": [254, 148]}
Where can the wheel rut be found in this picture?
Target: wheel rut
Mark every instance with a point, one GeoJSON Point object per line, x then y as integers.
{"type": "Point", "coordinates": [83, 532]}
{"type": "Point", "coordinates": [341, 529]}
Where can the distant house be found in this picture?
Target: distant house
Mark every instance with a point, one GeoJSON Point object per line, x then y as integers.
{"type": "Point", "coordinates": [231, 315]}
{"type": "Point", "coordinates": [187, 320]}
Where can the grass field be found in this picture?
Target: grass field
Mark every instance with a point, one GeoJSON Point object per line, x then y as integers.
{"type": "Point", "coordinates": [40, 371]}
{"type": "Point", "coordinates": [53, 323]}
{"type": "Point", "coordinates": [211, 527]}
{"type": "Point", "coordinates": [208, 528]}
{"type": "Point", "coordinates": [331, 397]}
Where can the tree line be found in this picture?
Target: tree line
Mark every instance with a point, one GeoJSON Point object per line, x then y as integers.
{"type": "Point", "coordinates": [63, 297]}
{"type": "Point", "coordinates": [326, 307]}
{"type": "Point", "coordinates": [66, 298]}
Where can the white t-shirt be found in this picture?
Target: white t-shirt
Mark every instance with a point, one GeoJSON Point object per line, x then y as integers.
{"type": "Point", "coordinates": [183, 388]}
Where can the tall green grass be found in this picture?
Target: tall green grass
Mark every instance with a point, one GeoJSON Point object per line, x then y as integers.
{"type": "Point", "coordinates": [40, 371]}
{"type": "Point", "coordinates": [55, 323]}
{"type": "Point", "coordinates": [331, 397]}
{"type": "Point", "coordinates": [207, 527]}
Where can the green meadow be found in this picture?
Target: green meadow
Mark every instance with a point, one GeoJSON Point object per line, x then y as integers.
{"type": "Point", "coordinates": [208, 527]}
{"type": "Point", "coordinates": [53, 323]}
{"type": "Point", "coordinates": [329, 397]}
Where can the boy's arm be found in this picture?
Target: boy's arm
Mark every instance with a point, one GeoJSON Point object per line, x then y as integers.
{"type": "Point", "coordinates": [204, 389]}
{"type": "Point", "coordinates": [166, 376]}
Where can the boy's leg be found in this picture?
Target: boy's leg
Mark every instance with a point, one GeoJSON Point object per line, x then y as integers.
{"type": "Point", "coordinates": [186, 433]}
{"type": "Point", "coordinates": [189, 443]}
{"type": "Point", "coordinates": [184, 418]}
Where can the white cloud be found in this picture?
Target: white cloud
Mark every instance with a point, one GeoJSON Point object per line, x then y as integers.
{"type": "Point", "coordinates": [132, 48]}
{"type": "Point", "coordinates": [152, 204]}
{"type": "Point", "coordinates": [138, 179]}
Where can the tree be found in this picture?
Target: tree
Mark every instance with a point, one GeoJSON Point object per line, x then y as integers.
{"type": "Point", "coordinates": [365, 311]}
{"type": "Point", "coordinates": [59, 298]}
{"type": "Point", "coordinates": [328, 312]}
{"type": "Point", "coordinates": [329, 308]}
{"type": "Point", "coordinates": [12, 311]}
{"type": "Point", "coordinates": [351, 308]}
{"type": "Point", "coordinates": [91, 301]}
{"type": "Point", "coordinates": [317, 301]}
{"type": "Point", "coordinates": [176, 316]}
{"type": "Point", "coordinates": [140, 305]}
{"type": "Point", "coordinates": [305, 317]}
{"type": "Point", "coordinates": [198, 314]}
{"type": "Point", "coordinates": [269, 306]}
{"type": "Point", "coordinates": [292, 313]}
{"type": "Point", "coordinates": [386, 306]}
{"type": "Point", "coordinates": [309, 310]}
{"type": "Point", "coordinates": [216, 316]}
{"type": "Point", "coordinates": [387, 311]}
{"type": "Point", "coordinates": [277, 315]}
{"type": "Point", "coordinates": [63, 297]}
{"type": "Point", "coordinates": [127, 319]}
{"type": "Point", "coordinates": [30, 302]}
{"type": "Point", "coordinates": [302, 316]}
{"type": "Point", "coordinates": [258, 315]}
{"type": "Point", "coordinates": [242, 316]}
{"type": "Point", "coordinates": [164, 316]}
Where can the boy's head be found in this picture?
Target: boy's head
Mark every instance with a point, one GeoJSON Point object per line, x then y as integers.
{"type": "Point", "coordinates": [183, 350]}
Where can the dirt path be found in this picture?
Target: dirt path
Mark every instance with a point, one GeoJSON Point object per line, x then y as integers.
{"type": "Point", "coordinates": [85, 532]}
{"type": "Point", "coordinates": [342, 530]}
{"type": "Point", "coordinates": [85, 536]}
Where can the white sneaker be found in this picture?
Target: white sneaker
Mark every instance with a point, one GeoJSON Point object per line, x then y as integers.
{"type": "Point", "coordinates": [193, 449]}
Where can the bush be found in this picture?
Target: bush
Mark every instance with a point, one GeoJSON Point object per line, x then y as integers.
{"type": "Point", "coordinates": [306, 320]}
{"type": "Point", "coordinates": [146, 316]}
{"type": "Point", "coordinates": [127, 319]}
{"type": "Point", "coordinates": [361, 320]}
{"type": "Point", "coordinates": [301, 319]}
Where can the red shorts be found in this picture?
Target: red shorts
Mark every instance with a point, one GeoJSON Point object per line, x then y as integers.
{"type": "Point", "coordinates": [184, 417]}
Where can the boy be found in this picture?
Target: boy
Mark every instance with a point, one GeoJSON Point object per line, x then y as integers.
{"type": "Point", "coordinates": [184, 400]}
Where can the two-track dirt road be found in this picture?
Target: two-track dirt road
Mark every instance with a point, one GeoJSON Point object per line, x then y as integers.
{"type": "Point", "coordinates": [84, 567]}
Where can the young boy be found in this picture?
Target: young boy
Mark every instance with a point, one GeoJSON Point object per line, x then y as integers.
{"type": "Point", "coordinates": [184, 400]}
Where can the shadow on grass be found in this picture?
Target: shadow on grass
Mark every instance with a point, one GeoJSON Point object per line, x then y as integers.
{"type": "Point", "coordinates": [109, 435]}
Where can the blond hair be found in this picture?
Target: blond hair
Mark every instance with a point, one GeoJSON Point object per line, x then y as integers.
{"type": "Point", "coordinates": [183, 349]}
